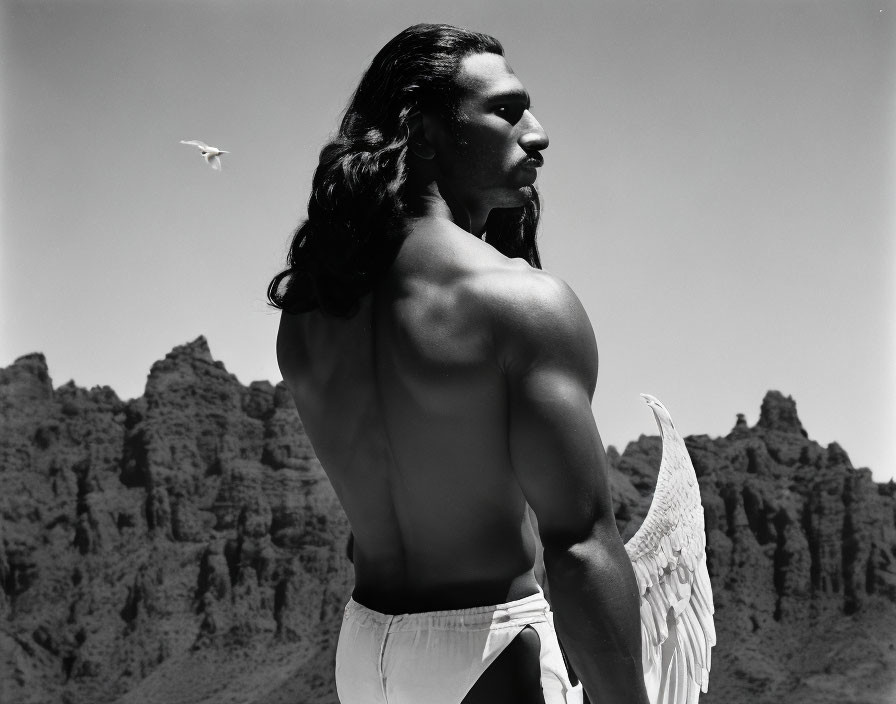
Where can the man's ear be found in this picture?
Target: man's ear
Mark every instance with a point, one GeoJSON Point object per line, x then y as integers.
{"type": "Point", "coordinates": [418, 142]}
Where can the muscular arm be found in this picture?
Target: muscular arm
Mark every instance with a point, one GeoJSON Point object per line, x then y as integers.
{"type": "Point", "coordinates": [550, 360]}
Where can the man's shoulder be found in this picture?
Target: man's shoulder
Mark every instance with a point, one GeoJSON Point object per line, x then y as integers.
{"type": "Point", "coordinates": [520, 297]}
{"type": "Point", "coordinates": [535, 316]}
{"type": "Point", "coordinates": [479, 277]}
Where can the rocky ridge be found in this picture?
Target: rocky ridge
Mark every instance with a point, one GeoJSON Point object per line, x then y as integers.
{"type": "Point", "coordinates": [186, 546]}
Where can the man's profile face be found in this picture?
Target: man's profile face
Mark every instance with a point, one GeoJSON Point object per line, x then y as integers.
{"type": "Point", "coordinates": [489, 158]}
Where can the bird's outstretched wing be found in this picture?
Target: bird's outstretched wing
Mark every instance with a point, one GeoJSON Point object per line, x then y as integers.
{"type": "Point", "coordinates": [214, 161]}
{"type": "Point", "coordinates": [195, 143]}
{"type": "Point", "coordinates": [668, 554]}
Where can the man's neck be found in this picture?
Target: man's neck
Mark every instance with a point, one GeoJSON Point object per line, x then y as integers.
{"type": "Point", "coordinates": [434, 203]}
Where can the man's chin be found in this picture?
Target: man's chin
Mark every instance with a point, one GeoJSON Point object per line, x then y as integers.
{"type": "Point", "coordinates": [521, 196]}
{"type": "Point", "coordinates": [517, 197]}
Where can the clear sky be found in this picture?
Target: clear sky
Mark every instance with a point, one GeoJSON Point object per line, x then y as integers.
{"type": "Point", "coordinates": [719, 189]}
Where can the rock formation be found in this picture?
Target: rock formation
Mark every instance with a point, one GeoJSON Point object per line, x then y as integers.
{"type": "Point", "coordinates": [186, 546]}
{"type": "Point", "coordinates": [187, 541]}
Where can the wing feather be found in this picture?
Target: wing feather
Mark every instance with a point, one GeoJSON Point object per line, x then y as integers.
{"type": "Point", "coordinates": [668, 554]}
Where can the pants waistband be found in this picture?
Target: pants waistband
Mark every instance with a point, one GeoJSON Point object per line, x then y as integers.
{"type": "Point", "coordinates": [529, 609]}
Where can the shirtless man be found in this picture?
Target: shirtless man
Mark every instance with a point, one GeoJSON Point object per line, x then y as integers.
{"type": "Point", "coordinates": [445, 384]}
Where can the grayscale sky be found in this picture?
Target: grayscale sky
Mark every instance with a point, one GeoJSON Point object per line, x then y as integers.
{"type": "Point", "coordinates": [718, 190]}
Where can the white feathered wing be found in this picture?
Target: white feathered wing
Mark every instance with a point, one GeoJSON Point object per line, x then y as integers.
{"type": "Point", "coordinates": [668, 554]}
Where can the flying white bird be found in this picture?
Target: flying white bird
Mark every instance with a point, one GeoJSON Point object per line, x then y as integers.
{"type": "Point", "coordinates": [668, 553]}
{"type": "Point", "coordinates": [211, 154]}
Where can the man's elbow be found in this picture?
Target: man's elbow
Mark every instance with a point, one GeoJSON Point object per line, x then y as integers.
{"type": "Point", "coordinates": [565, 553]}
{"type": "Point", "coordinates": [570, 552]}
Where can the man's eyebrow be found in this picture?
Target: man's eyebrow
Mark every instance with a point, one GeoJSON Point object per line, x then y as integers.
{"type": "Point", "coordinates": [521, 96]}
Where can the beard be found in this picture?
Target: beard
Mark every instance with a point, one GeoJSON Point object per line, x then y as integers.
{"type": "Point", "coordinates": [512, 231]}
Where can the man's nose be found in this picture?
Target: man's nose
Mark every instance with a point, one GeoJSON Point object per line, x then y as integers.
{"type": "Point", "coordinates": [534, 138]}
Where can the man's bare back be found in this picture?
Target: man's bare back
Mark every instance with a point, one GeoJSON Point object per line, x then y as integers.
{"type": "Point", "coordinates": [445, 384]}
{"type": "Point", "coordinates": [406, 404]}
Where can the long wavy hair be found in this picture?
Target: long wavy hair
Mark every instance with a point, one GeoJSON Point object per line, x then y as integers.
{"type": "Point", "coordinates": [360, 191]}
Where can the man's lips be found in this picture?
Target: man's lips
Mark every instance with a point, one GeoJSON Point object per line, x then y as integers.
{"type": "Point", "coordinates": [535, 160]}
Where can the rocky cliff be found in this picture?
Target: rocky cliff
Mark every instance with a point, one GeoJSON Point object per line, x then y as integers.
{"type": "Point", "coordinates": [186, 547]}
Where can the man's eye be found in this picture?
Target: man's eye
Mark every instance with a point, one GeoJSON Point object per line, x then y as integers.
{"type": "Point", "coordinates": [511, 113]}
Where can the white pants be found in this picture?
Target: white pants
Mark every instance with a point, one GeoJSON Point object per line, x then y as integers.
{"type": "Point", "coordinates": [436, 657]}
